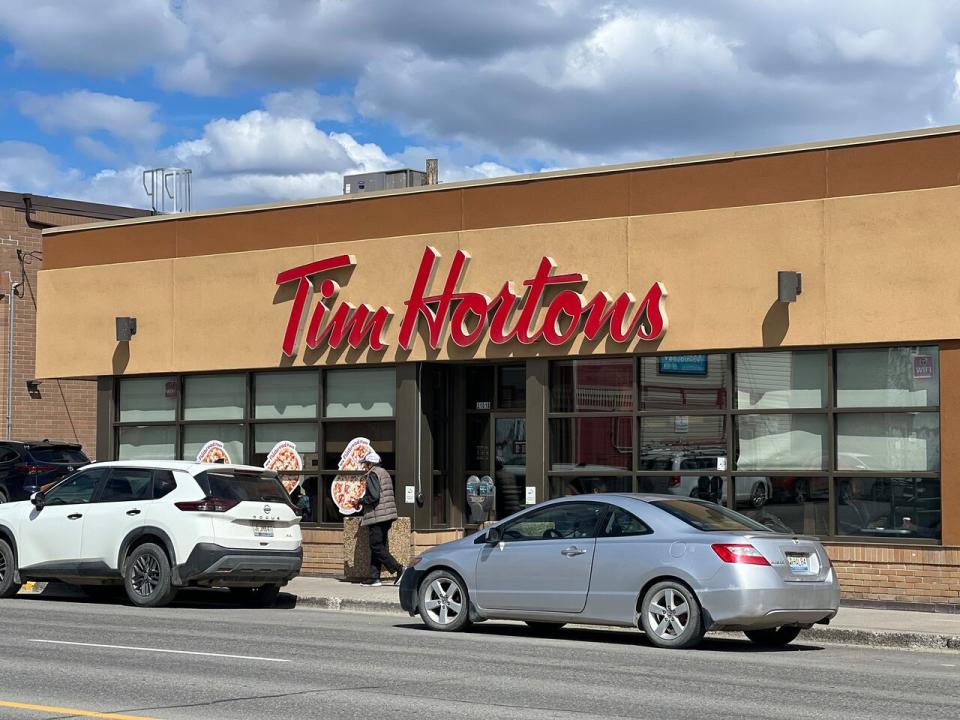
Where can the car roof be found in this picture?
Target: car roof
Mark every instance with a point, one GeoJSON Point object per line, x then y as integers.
{"type": "Point", "coordinates": [42, 443]}
{"type": "Point", "coordinates": [645, 497]}
{"type": "Point", "coordinates": [191, 466]}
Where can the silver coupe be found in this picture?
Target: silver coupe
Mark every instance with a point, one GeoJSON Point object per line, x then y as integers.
{"type": "Point", "coordinates": [674, 567]}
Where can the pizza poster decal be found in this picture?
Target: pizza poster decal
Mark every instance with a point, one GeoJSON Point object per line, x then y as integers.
{"type": "Point", "coordinates": [288, 464]}
{"type": "Point", "coordinates": [347, 490]}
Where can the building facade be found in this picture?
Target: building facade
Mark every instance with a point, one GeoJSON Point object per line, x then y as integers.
{"type": "Point", "coordinates": [65, 409]}
{"type": "Point", "coordinates": [610, 329]}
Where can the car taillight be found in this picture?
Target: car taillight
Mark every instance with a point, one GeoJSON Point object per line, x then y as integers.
{"type": "Point", "coordinates": [34, 468]}
{"type": "Point", "coordinates": [210, 504]}
{"type": "Point", "coordinates": [674, 480]}
{"type": "Point", "coordinates": [742, 554]}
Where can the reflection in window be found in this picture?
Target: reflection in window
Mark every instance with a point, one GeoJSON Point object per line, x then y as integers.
{"type": "Point", "coordinates": [77, 489]}
{"type": "Point", "coordinates": [698, 382]}
{"type": "Point", "coordinates": [358, 393]}
{"type": "Point", "coordinates": [774, 380]}
{"type": "Point", "coordinates": [786, 504]}
{"type": "Point", "coordinates": [888, 377]}
{"type": "Point", "coordinates": [338, 435]}
{"type": "Point", "coordinates": [794, 442]}
{"type": "Point", "coordinates": [303, 435]}
{"type": "Point", "coordinates": [566, 521]}
{"type": "Point", "coordinates": [593, 443]}
{"type": "Point", "coordinates": [152, 442]}
{"type": "Point", "coordinates": [888, 441]}
{"type": "Point", "coordinates": [196, 436]}
{"type": "Point", "coordinates": [128, 484]}
{"type": "Point", "coordinates": [286, 395]}
{"type": "Point", "coordinates": [889, 507]}
{"type": "Point", "coordinates": [591, 385]}
{"type": "Point", "coordinates": [148, 399]}
{"type": "Point", "coordinates": [214, 397]}
{"type": "Point", "coordinates": [587, 485]}
{"type": "Point", "coordinates": [679, 438]}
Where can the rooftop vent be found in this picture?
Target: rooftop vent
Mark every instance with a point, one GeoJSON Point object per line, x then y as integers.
{"type": "Point", "coordinates": [390, 179]}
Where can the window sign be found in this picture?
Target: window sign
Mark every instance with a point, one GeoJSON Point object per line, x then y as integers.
{"type": "Point", "coordinates": [682, 364]}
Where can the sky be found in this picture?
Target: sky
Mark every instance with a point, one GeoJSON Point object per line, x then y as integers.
{"type": "Point", "coordinates": [270, 100]}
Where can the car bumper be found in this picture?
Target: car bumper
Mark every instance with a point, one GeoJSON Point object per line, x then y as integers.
{"type": "Point", "coordinates": [770, 604]}
{"type": "Point", "coordinates": [211, 564]}
{"type": "Point", "coordinates": [409, 590]}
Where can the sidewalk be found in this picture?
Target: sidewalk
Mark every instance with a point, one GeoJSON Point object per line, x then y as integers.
{"type": "Point", "coordinates": [852, 626]}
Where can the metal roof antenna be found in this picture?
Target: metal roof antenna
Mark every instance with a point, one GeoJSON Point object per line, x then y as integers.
{"type": "Point", "coordinates": [169, 190]}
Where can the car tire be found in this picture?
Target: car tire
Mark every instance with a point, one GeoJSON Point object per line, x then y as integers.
{"type": "Point", "coordinates": [544, 627]}
{"type": "Point", "coordinates": [443, 601]}
{"type": "Point", "coordinates": [670, 616]}
{"type": "Point", "coordinates": [773, 637]}
{"type": "Point", "coordinates": [147, 577]}
{"type": "Point", "coordinates": [8, 569]}
{"type": "Point", "coordinates": [264, 596]}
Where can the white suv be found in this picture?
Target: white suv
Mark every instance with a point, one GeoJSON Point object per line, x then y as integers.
{"type": "Point", "coordinates": [155, 527]}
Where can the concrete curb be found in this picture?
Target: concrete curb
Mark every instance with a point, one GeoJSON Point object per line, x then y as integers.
{"type": "Point", "coordinates": [819, 634]}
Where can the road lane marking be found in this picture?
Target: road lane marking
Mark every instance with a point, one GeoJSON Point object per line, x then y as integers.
{"type": "Point", "coordinates": [70, 712]}
{"type": "Point", "coordinates": [161, 650]}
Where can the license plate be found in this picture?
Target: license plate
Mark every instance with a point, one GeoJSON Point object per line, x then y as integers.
{"type": "Point", "coordinates": [262, 531]}
{"type": "Point", "coordinates": [798, 563]}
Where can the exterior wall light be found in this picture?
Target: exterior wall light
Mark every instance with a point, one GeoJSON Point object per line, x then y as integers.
{"type": "Point", "coordinates": [126, 328]}
{"type": "Point", "coordinates": [788, 286]}
{"type": "Point", "coordinates": [33, 388]}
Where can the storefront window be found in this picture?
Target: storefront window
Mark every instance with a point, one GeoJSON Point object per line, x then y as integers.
{"type": "Point", "coordinates": [888, 377]}
{"type": "Point", "coordinates": [479, 382]}
{"type": "Point", "coordinates": [888, 441]}
{"type": "Point", "coordinates": [358, 393]}
{"type": "Point", "coordinates": [303, 435]}
{"type": "Point", "coordinates": [780, 380]}
{"type": "Point", "coordinates": [148, 399]}
{"type": "Point", "coordinates": [785, 504]}
{"type": "Point", "coordinates": [591, 385]}
{"type": "Point", "coordinates": [512, 387]}
{"type": "Point", "coordinates": [669, 382]}
{"type": "Point", "coordinates": [214, 397]}
{"type": "Point", "coordinates": [603, 443]}
{"type": "Point", "coordinates": [510, 465]}
{"type": "Point", "coordinates": [681, 439]}
{"type": "Point", "coordinates": [587, 485]}
{"type": "Point", "coordinates": [792, 442]}
{"type": "Point", "coordinates": [196, 436]}
{"type": "Point", "coordinates": [477, 450]}
{"type": "Point", "coordinates": [889, 507]}
{"type": "Point", "coordinates": [152, 442]}
{"type": "Point", "coordinates": [286, 396]}
{"type": "Point", "coordinates": [337, 435]}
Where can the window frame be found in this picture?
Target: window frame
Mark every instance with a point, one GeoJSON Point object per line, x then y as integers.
{"type": "Point", "coordinates": [830, 411]}
{"type": "Point", "coordinates": [313, 473]}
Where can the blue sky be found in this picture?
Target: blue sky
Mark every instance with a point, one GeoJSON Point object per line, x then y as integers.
{"type": "Point", "coordinates": [269, 100]}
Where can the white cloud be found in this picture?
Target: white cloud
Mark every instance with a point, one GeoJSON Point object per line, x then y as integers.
{"type": "Point", "coordinates": [25, 167]}
{"type": "Point", "coordinates": [96, 150]}
{"type": "Point", "coordinates": [91, 35]}
{"type": "Point", "coordinates": [83, 112]}
{"type": "Point", "coordinates": [309, 104]}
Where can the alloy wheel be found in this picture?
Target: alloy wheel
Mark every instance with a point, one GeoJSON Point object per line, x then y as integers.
{"type": "Point", "coordinates": [443, 601]}
{"type": "Point", "coordinates": [146, 575]}
{"type": "Point", "coordinates": [3, 567]}
{"type": "Point", "coordinates": [668, 614]}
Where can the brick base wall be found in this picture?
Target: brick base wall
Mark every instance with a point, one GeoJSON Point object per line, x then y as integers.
{"type": "Point", "coordinates": [323, 552]}
{"type": "Point", "coordinates": [920, 575]}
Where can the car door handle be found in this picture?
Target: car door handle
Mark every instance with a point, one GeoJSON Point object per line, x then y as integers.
{"type": "Point", "coordinates": [573, 551]}
{"type": "Point", "coordinates": [133, 512]}
{"type": "Point", "coordinates": [74, 516]}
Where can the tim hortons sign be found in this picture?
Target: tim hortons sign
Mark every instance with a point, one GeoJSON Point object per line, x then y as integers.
{"type": "Point", "coordinates": [468, 317]}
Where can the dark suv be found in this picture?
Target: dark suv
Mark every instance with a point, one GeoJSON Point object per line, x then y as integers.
{"type": "Point", "coordinates": [25, 467]}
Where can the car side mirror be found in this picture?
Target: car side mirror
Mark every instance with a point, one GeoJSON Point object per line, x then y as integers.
{"type": "Point", "coordinates": [494, 536]}
{"type": "Point", "coordinates": [37, 500]}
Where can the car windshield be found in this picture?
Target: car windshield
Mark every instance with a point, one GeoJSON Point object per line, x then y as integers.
{"type": "Point", "coordinates": [59, 454]}
{"type": "Point", "coordinates": [709, 517]}
{"type": "Point", "coordinates": [242, 486]}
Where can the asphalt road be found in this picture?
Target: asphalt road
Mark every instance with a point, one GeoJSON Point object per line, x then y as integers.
{"type": "Point", "coordinates": [305, 663]}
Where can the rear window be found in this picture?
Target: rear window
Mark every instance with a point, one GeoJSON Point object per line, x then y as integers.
{"type": "Point", "coordinates": [242, 486]}
{"type": "Point", "coordinates": [54, 454]}
{"type": "Point", "coordinates": [709, 517]}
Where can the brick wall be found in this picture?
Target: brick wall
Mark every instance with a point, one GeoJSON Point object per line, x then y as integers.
{"type": "Point", "coordinates": [929, 576]}
{"type": "Point", "coordinates": [68, 410]}
{"type": "Point", "coordinates": [323, 548]}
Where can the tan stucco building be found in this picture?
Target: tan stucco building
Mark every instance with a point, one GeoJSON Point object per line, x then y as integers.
{"type": "Point", "coordinates": [609, 329]}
